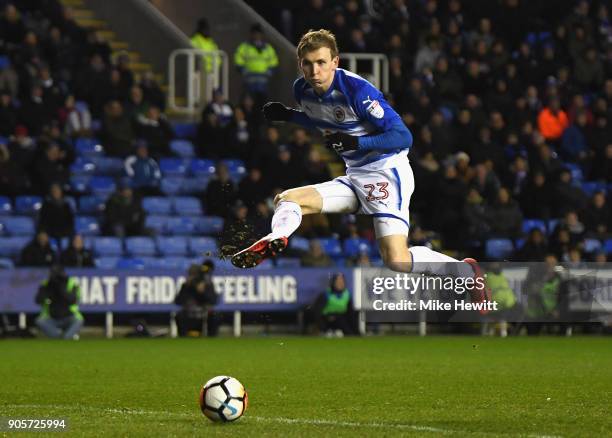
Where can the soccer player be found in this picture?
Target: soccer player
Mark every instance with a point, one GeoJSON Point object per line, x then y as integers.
{"type": "Point", "coordinates": [371, 138]}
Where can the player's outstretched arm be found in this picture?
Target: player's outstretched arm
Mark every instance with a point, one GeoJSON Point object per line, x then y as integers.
{"type": "Point", "coordinates": [277, 112]}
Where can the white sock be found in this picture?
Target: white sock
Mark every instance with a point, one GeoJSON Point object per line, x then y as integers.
{"type": "Point", "coordinates": [287, 218]}
{"type": "Point", "coordinates": [427, 261]}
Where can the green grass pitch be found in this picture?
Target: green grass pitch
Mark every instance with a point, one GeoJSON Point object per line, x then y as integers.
{"type": "Point", "coordinates": [379, 386]}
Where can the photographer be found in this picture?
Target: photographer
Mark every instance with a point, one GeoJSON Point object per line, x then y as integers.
{"type": "Point", "coordinates": [58, 297]}
{"type": "Point", "coordinates": [196, 297]}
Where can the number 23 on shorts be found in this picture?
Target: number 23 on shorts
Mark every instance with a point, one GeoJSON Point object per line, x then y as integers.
{"type": "Point", "coordinates": [381, 191]}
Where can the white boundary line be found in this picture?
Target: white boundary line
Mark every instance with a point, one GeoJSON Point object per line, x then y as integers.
{"type": "Point", "coordinates": [282, 420]}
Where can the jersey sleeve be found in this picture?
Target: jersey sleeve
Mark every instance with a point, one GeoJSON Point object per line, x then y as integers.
{"type": "Point", "coordinates": [370, 104]}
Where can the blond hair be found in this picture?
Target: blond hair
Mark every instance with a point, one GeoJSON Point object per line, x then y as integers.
{"type": "Point", "coordinates": [316, 39]}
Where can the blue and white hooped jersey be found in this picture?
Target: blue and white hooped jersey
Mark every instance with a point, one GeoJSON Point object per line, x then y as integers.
{"type": "Point", "coordinates": [351, 105]}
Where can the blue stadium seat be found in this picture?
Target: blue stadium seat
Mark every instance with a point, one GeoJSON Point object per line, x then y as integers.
{"type": "Point", "coordinates": [130, 263]}
{"type": "Point", "coordinates": [590, 187]}
{"type": "Point", "coordinates": [607, 247]}
{"type": "Point", "coordinates": [266, 264]}
{"type": "Point", "coordinates": [12, 246]}
{"type": "Point", "coordinates": [592, 245]}
{"type": "Point", "coordinates": [576, 171]}
{"type": "Point", "coordinates": [156, 223]}
{"type": "Point", "coordinates": [236, 168]}
{"type": "Point", "coordinates": [209, 225]}
{"type": "Point", "coordinates": [91, 204]}
{"type": "Point", "coordinates": [172, 246]}
{"type": "Point", "coordinates": [353, 247]}
{"type": "Point", "coordinates": [498, 249]}
{"type": "Point", "coordinates": [185, 130]}
{"type": "Point", "coordinates": [157, 205]}
{"type": "Point", "coordinates": [106, 262]}
{"type": "Point", "coordinates": [224, 265]}
{"type": "Point", "coordinates": [195, 185]}
{"type": "Point", "coordinates": [177, 262]}
{"type": "Point", "coordinates": [88, 147]}
{"type": "Point", "coordinates": [27, 204]}
{"type": "Point", "coordinates": [172, 186]}
{"type": "Point", "coordinates": [80, 183]}
{"type": "Point", "coordinates": [529, 224]}
{"type": "Point", "coordinates": [288, 262]}
{"type": "Point", "coordinates": [102, 185]}
{"type": "Point", "coordinates": [174, 166]}
{"type": "Point", "coordinates": [107, 246]}
{"type": "Point", "coordinates": [18, 225]}
{"type": "Point", "coordinates": [140, 246]}
{"type": "Point", "coordinates": [202, 246]}
{"type": "Point", "coordinates": [201, 166]}
{"type": "Point", "coordinates": [82, 166]}
{"type": "Point", "coordinates": [551, 225]}
{"type": "Point", "coordinates": [187, 205]}
{"type": "Point", "coordinates": [6, 263]}
{"type": "Point", "coordinates": [86, 226]}
{"type": "Point", "coordinates": [108, 166]}
{"type": "Point", "coordinates": [331, 246]}
{"type": "Point", "coordinates": [299, 243]}
{"type": "Point", "coordinates": [182, 225]}
{"type": "Point", "coordinates": [6, 208]}
{"type": "Point", "coordinates": [182, 148]}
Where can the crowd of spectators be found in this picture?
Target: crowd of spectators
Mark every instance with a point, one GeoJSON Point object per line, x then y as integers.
{"type": "Point", "coordinates": [510, 113]}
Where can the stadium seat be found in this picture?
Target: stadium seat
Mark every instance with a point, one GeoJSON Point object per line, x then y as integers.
{"type": "Point", "coordinates": [172, 246]}
{"type": "Point", "coordinates": [27, 204]}
{"type": "Point", "coordinates": [12, 246]}
{"type": "Point", "coordinates": [201, 166]}
{"type": "Point", "coordinates": [299, 243]}
{"type": "Point", "coordinates": [187, 205]}
{"type": "Point", "coordinates": [529, 224]}
{"type": "Point", "coordinates": [592, 245]}
{"type": "Point", "coordinates": [102, 185]}
{"type": "Point", "coordinates": [6, 208]}
{"type": "Point", "coordinates": [91, 205]}
{"type": "Point", "coordinates": [607, 247]}
{"type": "Point", "coordinates": [106, 262]}
{"type": "Point", "coordinates": [88, 147]}
{"type": "Point", "coordinates": [130, 263]}
{"type": "Point", "coordinates": [266, 264]}
{"type": "Point", "coordinates": [224, 265]}
{"type": "Point", "coordinates": [86, 226]}
{"type": "Point", "coordinates": [182, 225]}
{"type": "Point", "coordinates": [107, 246]}
{"type": "Point", "coordinates": [288, 262]}
{"type": "Point", "coordinates": [177, 262]}
{"type": "Point", "coordinates": [203, 246]}
{"type": "Point", "coordinates": [172, 186]}
{"type": "Point", "coordinates": [209, 225]}
{"type": "Point", "coordinates": [82, 166]}
{"type": "Point", "coordinates": [236, 168]}
{"type": "Point", "coordinates": [182, 148]}
{"type": "Point", "coordinates": [157, 205]}
{"type": "Point", "coordinates": [195, 185]}
{"type": "Point", "coordinates": [551, 225]}
{"type": "Point", "coordinates": [498, 249]}
{"type": "Point", "coordinates": [18, 225]}
{"type": "Point", "coordinates": [331, 246]}
{"type": "Point", "coordinates": [185, 130]}
{"type": "Point", "coordinates": [174, 166]}
{"type": "Point", "coordinates": [140, 246]}
{"type": "Point", "coordinates": [108, 166]}
{"type": "Point", "coordinates": [6, 263]}
{"type": "Point", "coordinates": [156, 223]}
{"type": "Point", "coordinates": [576, 171]}
{"type": "Point", "coordinates": [353, 247]}
{"type": "Point", "coordinates": [80, 183]}
{"type": "Point", "coordinates": [591, 187]}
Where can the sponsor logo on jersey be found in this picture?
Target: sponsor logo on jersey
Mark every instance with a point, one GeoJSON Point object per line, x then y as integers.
{"type": "Point", "coordinates": [376, 110]}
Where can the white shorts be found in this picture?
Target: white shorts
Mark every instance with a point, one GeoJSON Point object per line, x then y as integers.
{"type": "Point", "coordinates": [383, 194]}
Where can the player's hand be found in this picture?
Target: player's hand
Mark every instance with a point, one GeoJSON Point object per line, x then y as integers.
{"type": "Point", "coordinates": [340, 142]}
{"type": "Point", "coordinates": [276, 112]}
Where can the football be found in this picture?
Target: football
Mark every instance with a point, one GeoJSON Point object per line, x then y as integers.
{"type": "Point", "coordinates": [223, 398]}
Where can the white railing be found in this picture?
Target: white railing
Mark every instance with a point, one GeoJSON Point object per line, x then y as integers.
{"type": "Point", "coordinates": [379, 72]}
{"type": "Point", "coordinates": [200, 79]}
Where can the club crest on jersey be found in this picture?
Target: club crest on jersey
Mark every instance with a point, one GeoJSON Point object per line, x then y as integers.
{"type": "Point", "coordinates": [375, 108]}
{"type": "Point", "coordinates": [339, 114]}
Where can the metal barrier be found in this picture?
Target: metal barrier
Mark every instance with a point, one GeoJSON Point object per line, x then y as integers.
{"type": "Point", "coordinates": [200, 79]}
{"type": "Point", "coordinates": [379, 73]}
